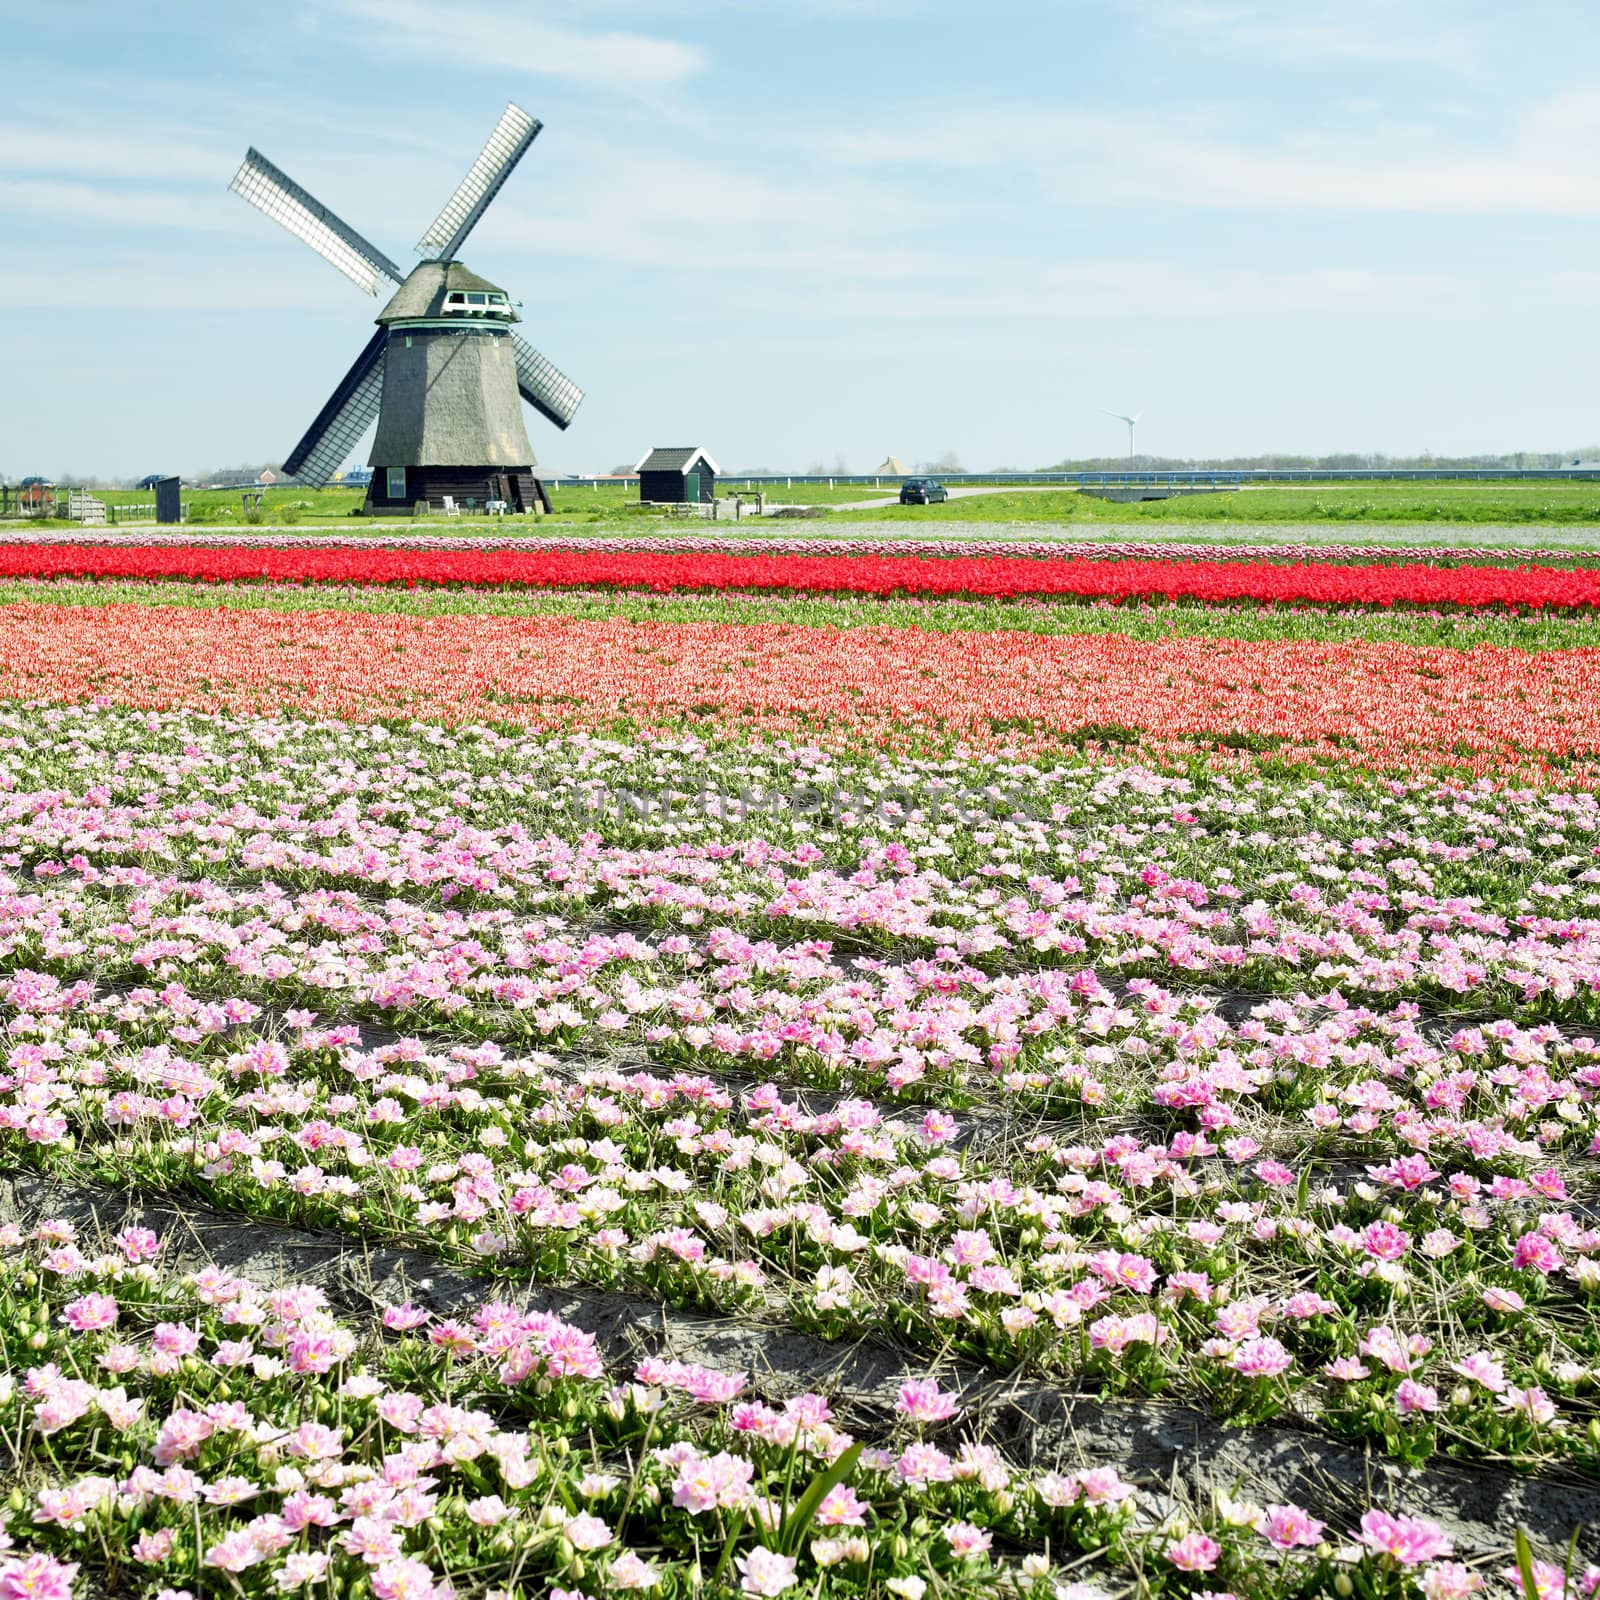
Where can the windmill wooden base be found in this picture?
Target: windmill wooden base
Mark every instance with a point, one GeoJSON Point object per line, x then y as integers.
{"type": "Point", "coordinates": [518, 488]}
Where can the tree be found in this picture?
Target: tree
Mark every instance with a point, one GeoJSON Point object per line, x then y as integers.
{"type": "Point", "coordinates": [948, 462]}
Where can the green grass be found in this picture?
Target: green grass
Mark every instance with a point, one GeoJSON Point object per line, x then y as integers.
{"type": "Point", "coordinates": [572, 502]}
{"type": "Point", "coordinates": [1458, 630]}
{"type": "Point", "coordinates": [288, 506]}
{"type": "Point", "coordinates": [1459, 500]}
{"type": "Point", "coordinates": [1345, 511]}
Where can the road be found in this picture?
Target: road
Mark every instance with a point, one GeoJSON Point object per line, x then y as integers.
{"type": "Point", "coordinates": [955, 494]}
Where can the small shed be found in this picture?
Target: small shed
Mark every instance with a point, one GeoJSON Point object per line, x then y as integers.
{"type": "Point", "coordinates": [169, 508]}
{"type": "Point", "coordinates": [893, 467]}
{"type": "Point", "coordinates": [678, 475]}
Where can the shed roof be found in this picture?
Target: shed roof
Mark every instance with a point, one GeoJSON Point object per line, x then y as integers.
{"type": "Point", "coordinates": [677, 458]}
{"type": "Point", "coordinates": [423, 293]}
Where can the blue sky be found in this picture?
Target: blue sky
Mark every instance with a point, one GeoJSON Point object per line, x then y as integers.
{"type": "Point", "coordinates": [824, 230]}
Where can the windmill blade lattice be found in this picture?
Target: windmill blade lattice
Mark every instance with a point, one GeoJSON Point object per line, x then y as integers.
{"type": "Point", "coordinates": [507, 145]}
{"type": "Point", "coordinates": [272, 191]}
{"type": "Point", "coordinates": [544, 386]}
{"type": "Point", "coordinates": [341, 422]}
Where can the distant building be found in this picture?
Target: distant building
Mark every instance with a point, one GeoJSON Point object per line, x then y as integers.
{"type": "Point", "coordinates": [677, 475]}
{"type": "Point", "coordinates": [355, 478]}
{"type": "Point", "coordinates": [893, 467]}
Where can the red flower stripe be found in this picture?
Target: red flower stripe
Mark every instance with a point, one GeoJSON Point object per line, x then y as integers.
{"type": "Point", "coordinates": [984, 576]}
{"type": "Point", "coordinates": [1485, 709]}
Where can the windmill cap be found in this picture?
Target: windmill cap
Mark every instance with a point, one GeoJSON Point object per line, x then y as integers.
{"type": "Point", "coordinates": [424, 292]}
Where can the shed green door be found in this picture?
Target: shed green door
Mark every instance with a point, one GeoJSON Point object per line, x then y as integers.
{"type": "Point", "coordinates": [691, 488]}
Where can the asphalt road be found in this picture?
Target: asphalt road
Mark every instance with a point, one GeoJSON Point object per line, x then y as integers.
{"type": "Point", "coordinates": [955, 494]}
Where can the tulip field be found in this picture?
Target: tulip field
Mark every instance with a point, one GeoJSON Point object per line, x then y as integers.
{"type": "Point", "coordinates": [855, 1070]}
{"type": "Point", "coordinates": [1217, 579]}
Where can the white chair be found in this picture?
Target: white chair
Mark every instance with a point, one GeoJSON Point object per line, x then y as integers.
{"type": "Point", "coordinates": [451, 509]}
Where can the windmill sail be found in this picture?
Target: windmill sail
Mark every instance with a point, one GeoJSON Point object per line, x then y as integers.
{"type": "Point", "coordinates": [547, 389]}
{"type": "Point", "coordinates": [507, 145]}
{"type": "Point", "coordinates": [273, 191]}
{"type": "Point", "coordinates": [341, 422]}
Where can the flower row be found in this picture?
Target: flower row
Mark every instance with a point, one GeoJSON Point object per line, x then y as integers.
{"type": "Point", "coordinates": [1486, 709]}
{"type": "Point", "coordinates": [1199, 1261]}
{"type": "Point", "coordinates": [1274, 1205]}
{"type": "Point", "coordinates": [987, 575]}
{"type": "Point", "coordinates": [207, 1432]}
{"type": "Point", "coordinates": [194, 841]}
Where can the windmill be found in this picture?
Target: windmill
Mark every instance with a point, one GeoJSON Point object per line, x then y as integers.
{"type": "Point", "coordinates": [444, 370]}
{"type": "Point", "coordinates": [1130, 421]}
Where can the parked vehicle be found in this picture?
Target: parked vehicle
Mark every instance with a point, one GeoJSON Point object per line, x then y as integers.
{"type": "Point", "coordinates": [922, 492]}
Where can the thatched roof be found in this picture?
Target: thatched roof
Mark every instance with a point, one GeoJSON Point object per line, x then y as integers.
{"type": "Point", "coordinates": [422, 295]}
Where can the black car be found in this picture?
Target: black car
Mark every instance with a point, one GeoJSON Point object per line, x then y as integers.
{"type": "Point", "coordinates": [922, 492]}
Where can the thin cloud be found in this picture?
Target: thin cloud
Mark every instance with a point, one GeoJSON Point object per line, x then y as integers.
{"type": "Point", "coordinates": [597, 237]}
{"type": "Point", "coordinates": [802, 10]}
{"type": "Point", "coordinates": [154, 153]}
{"type": "Point", "coordinates": [629, 207]}
{"type": "Point", "coordinates": [476, 35]}
{"type": "Point", "coordinates": [146, 281]}
{"type": "Point", "coordinates": [1543, 166]}
{"type": "Point", "coordinates": [196, 211]}
{"type": "Point", "coordinates": [1322, 31]}
{"type": "Point", "coordinates": [1154, 290]}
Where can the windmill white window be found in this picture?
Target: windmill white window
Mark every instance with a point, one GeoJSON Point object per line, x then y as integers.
{"type": "Point", "coordinates": [397, 483]}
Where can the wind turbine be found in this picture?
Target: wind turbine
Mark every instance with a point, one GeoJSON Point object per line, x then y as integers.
{"type": "Point", "coordinates": [1130, 421]}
